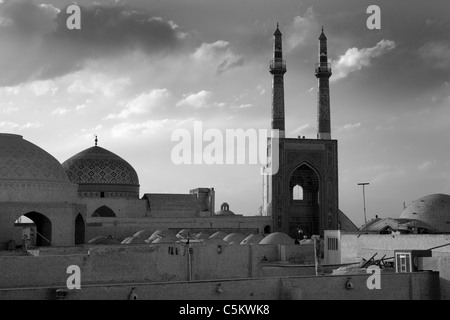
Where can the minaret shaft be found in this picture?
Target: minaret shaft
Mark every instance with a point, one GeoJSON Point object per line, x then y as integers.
{"type": "Point", "coordinates": [278, 69]}
{"type": "Point", "coordinates": [323, 74]}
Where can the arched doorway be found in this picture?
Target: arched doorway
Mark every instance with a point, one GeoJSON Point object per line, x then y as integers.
{"type": "Point", "coordinates": [104, 212]}
{"type": "Point", "coordinates": [79, 230]}
{"type": "Point", "coordinates": [267, 229]}
{"type": "Point", "coordinates": [40, 228]}
{"type": "Point", "coordinates": [304, 205]}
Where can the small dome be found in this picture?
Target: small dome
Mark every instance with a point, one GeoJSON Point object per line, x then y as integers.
{"type": "Point", "coordinates": [134, 240]}
{"type": "Point", "coordinates": [143, 234]}
{"type": "Point", "coordinates": [277, 238]}
{"type": "Point", "coordinates": [31, 174]}
{"type": "Point", "coordinates": [101, 173]}
{"type": "Point", "coordinates": [164, 240]}
{"type": "Point", "coordinates": [126, 240]}
{"type": "Point", "coordinates": [433, 209]}
{"type": "Point", "coordinates": [225, 210]}
{"type": "Point", "coordinates": [202, 235]}
{"type": "Point", "coordinates": [234, 237]}
{"type": "Point", "coordinates": [253, 238]}
{"type": "Point", "coordinates": [215, 241]}
{"type": "Point", "coordinates": [218, 235]}
{"type": "Point", "coordinates": [104, 240]}
{"type": "Point", "coordinates": [184, 234]}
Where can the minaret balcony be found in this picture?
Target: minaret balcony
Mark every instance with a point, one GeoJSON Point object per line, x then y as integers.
{"type": "Point", "coordinates": [323, 68]}
{"type": "Point", "coordinates": [278, 64]}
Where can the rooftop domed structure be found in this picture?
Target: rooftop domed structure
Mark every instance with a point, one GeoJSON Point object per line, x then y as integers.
{"type": "Point", "coordinates": [253, 238]}
{"type": "Point", "coordinates": [225, 210]}
{"type": "Point", "coordinates": [235, 237]}
{"type": "Point", "coordinates": [277, 238]}
{"type": "Point", "coordinates": [31, 173]}
{"type": "Point", "coordinates": [101, 173]}
{"type": "Point", "coordinates": [433, 209]}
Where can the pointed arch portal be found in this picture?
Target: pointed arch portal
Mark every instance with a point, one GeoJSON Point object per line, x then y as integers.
{"type": "Point", "coordinates": [104, 212]}
{"type": "Point", "coordinates": [43, 228]}
{"type": "Point", "coordinates": [79, 230]}
{"type": "Point", "coordinates": [304, 208]}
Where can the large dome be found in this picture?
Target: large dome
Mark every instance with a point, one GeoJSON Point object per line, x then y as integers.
{"type": "Point", "coordinates": [101, 173]}
{"type": "Point", "coordinates": [29, 173]}
{"type": "Point", "coordinates": [433, 209]}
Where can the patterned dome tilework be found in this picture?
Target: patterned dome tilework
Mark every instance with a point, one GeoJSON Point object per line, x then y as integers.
{"type": "Point", "coordinates": [22, 160]}
{"type": "Point", "coordinates": [100, 166]}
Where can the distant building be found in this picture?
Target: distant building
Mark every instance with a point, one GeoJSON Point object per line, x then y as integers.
{"type": "Point", "coordinates": [433, 210]}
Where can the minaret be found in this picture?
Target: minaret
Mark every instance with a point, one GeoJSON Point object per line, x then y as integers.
{"type": "Point", "coordinates": [278, 69]}
{"type": "Point", "coordinates": [323, 73]}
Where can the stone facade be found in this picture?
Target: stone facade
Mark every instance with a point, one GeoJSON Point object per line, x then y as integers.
{"type": "Point", "coordinates": [312, 165]}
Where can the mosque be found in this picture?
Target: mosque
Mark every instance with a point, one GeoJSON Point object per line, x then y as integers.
{"type": "Point", "coordinates": [97, 193]}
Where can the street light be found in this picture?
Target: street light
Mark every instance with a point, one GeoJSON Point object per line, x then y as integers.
{"type": "Point", "coordinates": [363, 184]}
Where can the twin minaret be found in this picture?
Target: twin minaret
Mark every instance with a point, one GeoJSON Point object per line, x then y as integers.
{"type": "Point", "coordinates": [323, 74]}
{"type": "Point", "coordinates": [278, 69]}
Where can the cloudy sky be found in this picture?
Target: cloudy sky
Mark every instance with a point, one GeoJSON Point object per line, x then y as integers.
{"type": "Point", "coordinates": [140, 69]}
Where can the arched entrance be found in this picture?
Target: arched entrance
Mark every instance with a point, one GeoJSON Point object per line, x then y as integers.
{"type": "Point", "coordinates": [79, 230]}
{"type": "Point", "coordinates": [304, 210]}
{"type": "Point", "coordinates": [41, 232]}
{"type": "Point", "coordinates": [104, 212]}
{"type": "Point", "coordinates": [267, 229]}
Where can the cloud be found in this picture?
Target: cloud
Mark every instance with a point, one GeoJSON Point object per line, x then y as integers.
{"type": "Point", "coordinates": [350, 127]}
{"type": "Point", "coordinates": [143, 104]}
{"type": "Point", "coordinates": [301, 29]}
{"type": "Point", "coordinates": [305, 129]}
{"type": "Point", "coordinates": [95, 84]}
{"type": "Point", "coordinates": [126, 129]}
{"type": "Point", "coordinates": [355, 59]}
{"type": "Point", "coordinates": [10, 125]}
{"type": "Point", "coordinates": [31, 125]}
{"type": "Point", "coordinates": [60, 111]}
{"type": "Point", "coordinates": [261, 90]}
{"type": "Point", "coordinates": [28, 18]}
{"type": "Point", "coordinates": [37, 45]}
{"type": "Point", "coordinates": [426, 165]}
{"type": "Point", "coordinates": [90, 133]}
{"type": "Point", "coordinates": [197, 100]}
{"type": "Point", "coordinates": [218, 53]}
{"type": "Point", "coordinates": [40, 88]}
{"type": "Point", "coordinates": [436, 54]}
{"type": "Point", "coordinates": [8, 108]}
{"type": "Point", "coordinates": [241, 106]}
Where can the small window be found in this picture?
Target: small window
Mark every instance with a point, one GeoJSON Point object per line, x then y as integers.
{"type": "Point", "coordinates": [297, 193]}
{"type": "Point", "coordinates": [102, 194]}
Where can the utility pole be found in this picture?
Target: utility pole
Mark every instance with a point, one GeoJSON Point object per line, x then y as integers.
{"type": "Point", "coordinates": [363, 184]}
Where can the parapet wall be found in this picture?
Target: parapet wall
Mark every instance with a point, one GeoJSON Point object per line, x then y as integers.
{"type": "Point", "coordinates": [155, 263]}
{"type": "Point", "coordinates": [405, 286]}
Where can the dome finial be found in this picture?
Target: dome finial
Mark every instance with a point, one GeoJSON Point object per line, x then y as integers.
{"type": "Point", "coordinates": [96, 140]}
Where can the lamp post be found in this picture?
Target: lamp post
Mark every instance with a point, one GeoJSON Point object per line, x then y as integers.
{"type": "Point", "coordinates": [363, 184]}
